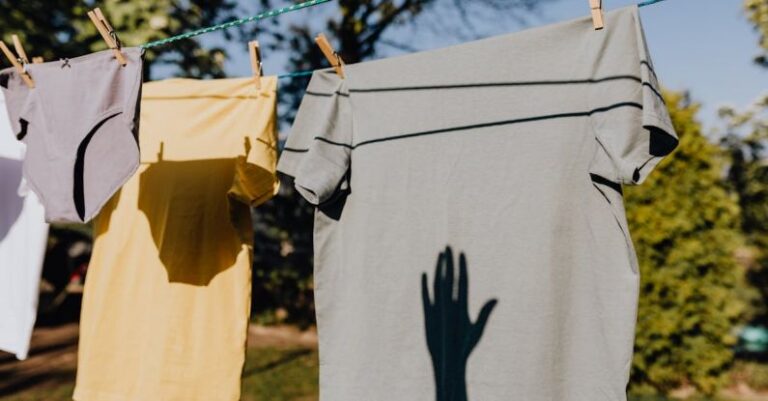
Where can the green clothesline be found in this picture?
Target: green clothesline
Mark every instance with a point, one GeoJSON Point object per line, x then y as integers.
{"type": "Point", "coordinates": [296, 74]}
{"type": "Point", "coordinates": [649, 2]}
{"type": "Point", "coordinates": [232, 24]}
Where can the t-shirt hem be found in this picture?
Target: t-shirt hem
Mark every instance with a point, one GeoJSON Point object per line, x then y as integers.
{"type": "Point", "coordinates": [82, 395]}
{"type": "Point", "coordinates": [318, 179]}
{"type": "Point", "coordinates": [272, 188]}
{"type": "Point", "coordinates": [266, 195]}
{"type": "Point", "coordinates": [85, 395]}
{"type": "Point", "coordinates": [662, 123]}
{"type": "Point", "coordinates": [316, 190]}
{"type": "Point", "coordinates": [14, 350]}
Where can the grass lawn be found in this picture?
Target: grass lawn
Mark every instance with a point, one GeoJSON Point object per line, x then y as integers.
{"type": "Point", "coordinates": [280, 375]}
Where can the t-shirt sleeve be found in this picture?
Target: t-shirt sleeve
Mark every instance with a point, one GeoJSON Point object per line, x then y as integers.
{"type": "Point", "coordinates": [630, 118]}
{"type": "Point", "coordinates": [255, 180]}
{"type": "Point", "coordinates": [317, 152]}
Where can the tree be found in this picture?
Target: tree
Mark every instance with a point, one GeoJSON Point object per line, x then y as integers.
{"type": "Point", "coordinates": [745, 141]}
{"type": "Point", "coordinates": [757, 11]}
{"type": "Point", "coordinates": [685, 226]}
{"type": "Point", "coordinates": [55, 29]}
{"type": "Point", "coordinates": [283, 266]}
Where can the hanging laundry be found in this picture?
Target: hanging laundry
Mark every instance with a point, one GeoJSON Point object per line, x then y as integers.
{"type": "Point", "coordinates": [81, 125]}
{"type": "Point", "coordinates": [167, 300]}
{"type": "Point", "coordinates": [470, 239]}
{"type": "Point", "coordinates": [23, 231]}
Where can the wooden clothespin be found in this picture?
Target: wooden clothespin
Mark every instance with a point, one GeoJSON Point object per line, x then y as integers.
{"type": "Point", "coordinates": [330, 54]}
{"type": "Point", "coordinates": [19, 49]}
{"type": "Point", "coordinates": [597, 14]}
{"type": "Point", "coordinates": [17, 64]}
{"type": "Point", "coordinates": [254, 50]}
{"type": "Point", "coordinates": [22, 53]}
{"type": "Point", "coordinates": [107, 33]}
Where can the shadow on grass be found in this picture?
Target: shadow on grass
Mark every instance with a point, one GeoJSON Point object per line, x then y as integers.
{"type": "Point", "coordinates": [50, 366]}
{"type": "Point", "coordinates": [289, 357]}
{"type": "Point", "coordinates": [41, 382]}
{"type": "Point", "coordinates": [662, 398]}
{"type": "Point", "coordinates": [281, 375]}
{"type": "Point", "coordinates": [9, 359]}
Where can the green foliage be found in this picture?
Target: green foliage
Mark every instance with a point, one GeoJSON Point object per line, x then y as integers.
{"type": "Point", "coordinates": [745, 141]}
{"type": "Point", "coordinates": [60, 28]}
{"type": "Point", "coordinates": [757, 11]}
{"type": "Point", "coordinates": [282, 268]}
{"type": "Point", "coordinates": [685, 228]}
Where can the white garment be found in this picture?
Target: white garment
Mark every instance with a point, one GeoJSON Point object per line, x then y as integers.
{"type": "Point", "coordinates": [23, 236]}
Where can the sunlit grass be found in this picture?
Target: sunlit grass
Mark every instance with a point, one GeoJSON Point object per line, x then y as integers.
{"type": "Point", "coordinates": [280, 375]}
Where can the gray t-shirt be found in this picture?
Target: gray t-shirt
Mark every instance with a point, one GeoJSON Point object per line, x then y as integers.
{"type": "Point", "coordinates": [511, 151]}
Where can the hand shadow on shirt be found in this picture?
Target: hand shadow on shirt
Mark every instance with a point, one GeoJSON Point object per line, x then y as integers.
{"type": "Point", "coordinates": [451, 335]}
{"type": "Point", "coordinates": [11, 202]}
{"type": "Point", "coordinates": [198, 229]}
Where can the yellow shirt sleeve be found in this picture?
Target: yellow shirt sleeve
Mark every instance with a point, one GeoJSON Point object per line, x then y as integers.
{"type": "Point", "coordinates": [255, 180]}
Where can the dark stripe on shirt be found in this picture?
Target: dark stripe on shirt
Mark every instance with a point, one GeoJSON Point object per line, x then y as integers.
{"type": "Point", "coordinates": [490, 85]}
{"type": "Point", "coordinates": [480, 85]}
{"type": "Point", "coordinates": [655, 91]}
{"type": "Point", "coordinates": [311, 93]}
{"type": "Point", "coordinates": [294, 150]}
{"type": "Point", "coordinates": [475, 126]}
{"type": "Point", "coordinates": [649, 66]}
{"type": "Point", "coordinates": [498, 84]}
{"type": "Point", "coordinates": [598, 179]}
{"type": "Point", "coordinates": [505, 122]}
{"type": "Point", "coordinates": [345, 145]}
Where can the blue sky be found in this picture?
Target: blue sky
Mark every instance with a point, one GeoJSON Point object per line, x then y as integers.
{"type": "Point", "coordinates": [703, 46]}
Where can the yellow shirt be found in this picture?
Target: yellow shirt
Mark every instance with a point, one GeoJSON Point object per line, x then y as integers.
{"type": "Point", "coordinates": [167, 297]}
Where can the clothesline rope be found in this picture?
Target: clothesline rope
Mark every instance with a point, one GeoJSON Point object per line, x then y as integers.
{"type": "Point", "coordinates": [649, 2]}
{"type": "Point", "coordinates": [296, 74]}
{"type": "Point", "coordinates": [238, 22]}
